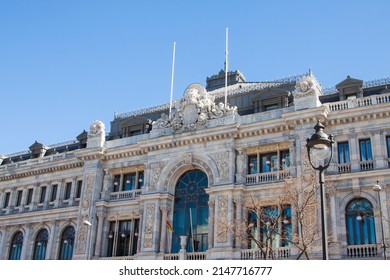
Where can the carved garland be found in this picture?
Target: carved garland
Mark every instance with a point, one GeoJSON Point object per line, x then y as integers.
{"type": "Point", "coordinates": [84, 215]}
{"type": "Point", "coordinates": [150, 209]}
{"type": "Point", "coordinates": [222, 218]}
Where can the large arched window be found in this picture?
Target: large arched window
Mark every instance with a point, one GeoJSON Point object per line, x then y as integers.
{"type": "Point", "coordinates": [360, 222]}
{"type": "Point", "coordinates": [16, 246]}
{"type": "Point", "coordinates": [191, 205]}
{"type": "Point", "coordinates": [41, 244]}
{"type": "Point", "coordinates": [67, 243]}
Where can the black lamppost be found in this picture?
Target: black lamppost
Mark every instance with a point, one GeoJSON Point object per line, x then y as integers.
{"type": "Point", "coordinates": [320, 146]}
{"type": "Point", "coordinates": [378, 189]}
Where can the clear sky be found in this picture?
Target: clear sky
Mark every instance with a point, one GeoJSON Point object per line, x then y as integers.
{"type": "Point", "coordinates": [66, 63]}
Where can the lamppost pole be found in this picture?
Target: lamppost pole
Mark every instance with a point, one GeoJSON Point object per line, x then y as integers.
{"type": "Point", "coordinates": [325, 255]}
{"type": "Point", "coordinates": [378, 188]}
{"type": "Point", "coordinates": [320, 144]}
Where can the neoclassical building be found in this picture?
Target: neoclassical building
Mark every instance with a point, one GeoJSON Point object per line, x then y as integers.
{"type": "Point", "coordinates": [204, 180]}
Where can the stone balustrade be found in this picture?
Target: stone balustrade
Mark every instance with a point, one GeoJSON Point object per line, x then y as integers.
{"type": "Point", "coordinates": [125, 195]}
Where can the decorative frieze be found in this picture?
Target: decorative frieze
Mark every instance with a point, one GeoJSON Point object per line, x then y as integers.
{"type": "Point", "coordinates": [84, 216]}
{"type": "Point", "coordinates": [149, 223]}
{"type": "Point", "coordinates": [222, 219]}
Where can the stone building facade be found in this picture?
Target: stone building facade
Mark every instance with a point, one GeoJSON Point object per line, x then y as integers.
{"type": "Point", "coordinates": [212, 172]}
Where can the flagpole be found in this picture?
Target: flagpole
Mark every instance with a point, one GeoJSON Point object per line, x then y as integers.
{"type": "Point", "coordinates": [226, 65]}
{"type": "Point", "coordinates": [173, 74]}
{"type": "Point", "coordinates": [192, 232]}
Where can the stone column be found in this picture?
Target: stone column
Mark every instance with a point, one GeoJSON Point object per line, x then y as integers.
{"type": "Point", "coordinates": [211, 224]}
{"type": "Point", "coordinates": [379, 152]}
{"type": "Point", "coordinates": [354, 153]}
{"type": "Point", "coordinates": [3, 241]}
{"type": "Point", "coordinates": [140, 231]}
{"type": "Point", "coordinates": [238, 202]}
{"type": "Point", "coordinates": [26, 242]}
{"type": "Point", "coordinates": [163, 231]}
{"type": "Point", "coordinates": [52, 238]}
{"type": "Point", "coordinates": [101, 217]}
{"type": "Point", "coordinates": [230, 217]}
{"type": "Point", "coordinates": [59, 197]}
{"type": "Point", "coordinates": [73, 191]}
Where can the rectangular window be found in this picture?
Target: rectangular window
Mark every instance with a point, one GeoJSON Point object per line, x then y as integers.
{"type": "Point", "coordinates": [43, 194]}
{"type": "Point", "coordinates": [129, 182]}
{"type": "Point", "coordinates": [53, 192]}
{"type": "Point", "coordinates": [29, 196]}
{"type": "Point", "coordinates": [79, 188]}
{"type": "Point", "coordinates": [68, 189]}
{"type": "Point", "coordinates": [140, 182]}
{"type": "Point", "coordinates": [19, 198]}
{"type": "Point", "coordinates": [252, 164]}
{"type": "Point", "coordinates": [271, 107]}
{"type": "Point", "coordinates": [365, 150]}
{"type": "Point", "coordinates": [388, 146]}
{"type": "Point", "coordinates": [117, 179]}
{"type": "Point", "coordinates": [6, 200]}
{"type": "Point", "coordinates": [343, 152]}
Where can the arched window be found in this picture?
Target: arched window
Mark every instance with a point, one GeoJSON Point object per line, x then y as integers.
{"type": "Point", "coordinates": [191, 205]}
{"type": "Point", "coordinates": [67, 243]}
{"type": "Point", "coordinates": [16, 246]}
{"type": "Point", "coordinates": [360, 222]}
{"type": "Point", "coordinates": [41, 244]}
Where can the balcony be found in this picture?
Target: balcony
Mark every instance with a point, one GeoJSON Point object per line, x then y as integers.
{"type": "Point", "coordinates": [359, 102]}
{"type": "Point", "coordinates": [366, 165]}
{"type": "Point", "coordinates": [126, 195]}
{"type": "Point", "coordinates": [268, 177]}
{"type": "Point", "coordinates": [282, 253]}
{"type": "Point", "coordinates": [362, 251]}
{"type": "Point", "coordinates": [344, 168]}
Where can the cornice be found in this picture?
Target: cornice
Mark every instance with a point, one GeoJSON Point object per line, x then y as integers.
{"type": "Point", "coordinates": [38, 170]}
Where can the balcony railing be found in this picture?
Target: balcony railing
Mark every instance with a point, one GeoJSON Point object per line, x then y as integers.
{"type": "Point", "coordinates": [255, 254]}
{"type": "Point", "coordinates": [344, 167]}
{"type": "Point", "coordinates": [117, 258]}
{"type": "Point", "coordinates": [125, 195]}
{"type": "Point", "coordinates": [359, 102]}
{"type": "Point", "coordinates": [267, 177]}
{"type": "Point", "coordinates": [366, 165]}
{"type": "Point", "coordinates": [362, 251]}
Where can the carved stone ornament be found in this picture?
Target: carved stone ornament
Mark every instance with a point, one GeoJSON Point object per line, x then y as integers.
{"type": "Point", "coordinates": [307, 92]}
{"type": "Point", "coordinates": [96, 128]}
{"type": "Point", "coordinates": [222, 218]}
{"type": "Point", "coordinates": [193, 111]}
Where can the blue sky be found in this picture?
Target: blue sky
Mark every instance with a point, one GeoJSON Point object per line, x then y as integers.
{"type": "Point", "coordinates": [64, 64]}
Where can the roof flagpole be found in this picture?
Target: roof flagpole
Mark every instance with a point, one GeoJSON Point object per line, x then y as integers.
{"type": "Point", "coordinates": [173, 74]}
{"type": "Point", "coordinates": [226, 66]}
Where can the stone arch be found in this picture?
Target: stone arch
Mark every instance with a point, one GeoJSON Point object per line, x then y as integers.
{"type": "Point", "coordinates": [38, 229]}
{"type": "Point", "coordinates": [351, 196]}
{"type": "Point", "coordinates": [173, 171]}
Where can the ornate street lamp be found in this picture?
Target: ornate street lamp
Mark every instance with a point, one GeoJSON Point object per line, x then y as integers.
{"type": "Point", "coordinates": [377, 188]}
{"type": "Point", "coordinates": [319, 148]}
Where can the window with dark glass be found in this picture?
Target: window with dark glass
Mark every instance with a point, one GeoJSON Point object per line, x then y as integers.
{"type": "Point", "coordinates": [40, 245]}
{"type": "Point", "coordinates": [79, 188]}
{"type": "Point", "coordinates": [129, 182]}
{"type": "Point", "coordinates": [343, 152]}
{"type": "Point", "coordinates": [68, 189]}
{"type": "Point", "coordinates": [67, 243]}
{"type": "Point", "coordinates": [29, 196]}
{"type": "Point", "coordinates": [16, 246]}
{"type": "Point", "coordinates": [124, 240]}
{"type": "Point", "coordinates": [19, 198]}
{"type": "Point", "coordinates": [54, 189]}
{"type": "Point", "coordinates": [191, 205]}
{"type": "Point", "coordinates": [360, 222]}
{"type": "Point", "coordinates": [6, 200]}
{"type": "Point", "coordinates": [43, 194]}
{"type": "Point", "coordinates": [252, 164]}
{"type": "Point", "coordinates": [269, 226]}
{"type": "Point", "coordinates": [388, 146]}
{"type": "Point", "coordinates": [117, 179]}
{"type": "Point", "coordinates": [365, 150]}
